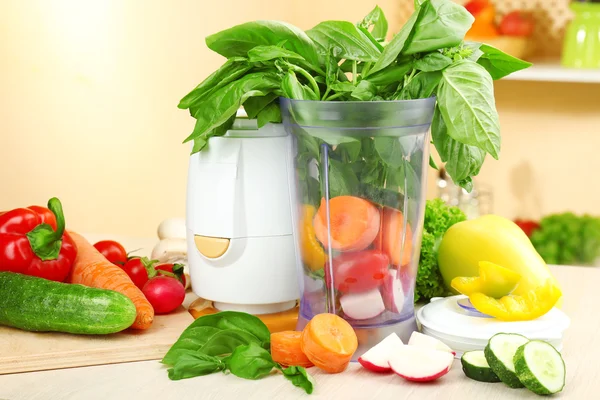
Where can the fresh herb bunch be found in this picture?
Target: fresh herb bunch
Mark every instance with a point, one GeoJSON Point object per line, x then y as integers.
{"type": "Point", "coordinates": [230, 341]}
{"type": "Point", "coordinates": [568, 239]}
{"type": "Point", "coordinates": [343, 61]}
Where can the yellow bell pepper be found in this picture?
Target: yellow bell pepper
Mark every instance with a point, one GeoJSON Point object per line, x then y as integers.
{"type": "Point", "coordinates": [497, 240]}
{"type": "Point", "coordinates": [311, 252]}
{"type": "Point", "coordinates": [493, 281]}
{"type": "Point", "coordinates": [531, 305]}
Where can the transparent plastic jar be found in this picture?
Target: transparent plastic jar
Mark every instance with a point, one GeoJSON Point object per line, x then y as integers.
{"type": "Point", "coordinates": [359, 183]}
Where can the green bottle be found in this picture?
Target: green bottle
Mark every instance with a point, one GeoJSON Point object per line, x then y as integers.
{"type": "Point", "coordinates": [582, 39]}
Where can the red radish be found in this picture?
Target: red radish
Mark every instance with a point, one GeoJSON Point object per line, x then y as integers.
{"type": "Point", "coordinates": [164, 293]}
{"type": "Point", "coordinates": [427, 342]}
{"type": "Point", "coordinates": [363, 305]}
{"type": "Point", "coordinates": [377, 358]}
{"type": "Point", "coordinates": [392, 292]}
{"type": "Point", "coordinates": [419, 364]}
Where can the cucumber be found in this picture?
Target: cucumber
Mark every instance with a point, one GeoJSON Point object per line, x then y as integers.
{"type": "Point", "coordinates": [540, 367]}
{"type": "Point", "coordinates": [500, 352]}
{"type": "Point", "coordinates": [476, 367]}
{"type": "Point", "coordinates": [36, 304]}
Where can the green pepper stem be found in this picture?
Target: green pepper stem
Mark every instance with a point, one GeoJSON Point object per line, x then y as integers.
{"type": "Point", "coordinates": [44, 241]}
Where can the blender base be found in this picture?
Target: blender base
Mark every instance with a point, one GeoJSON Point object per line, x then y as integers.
{"type": "Point", "coordinates": [285, 320]}
{"type": "Point", "coordinates": [369, 336]}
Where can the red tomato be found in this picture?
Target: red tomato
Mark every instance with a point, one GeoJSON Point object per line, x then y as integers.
{"type": "Point", "coordinates": [137, 269]}
{"type": "Point", "coordinates": [527, 226]}
{"type": "Point", "coordinates": [164, 293]}
{"type": "Point", "coordinates": [175, 269]}
{"type": "Point", "coordinates": [359, 271]}
{"type": "Point", "coordinates": [112, 251]}
{"type": "Point", "coordinates": [516, 23]}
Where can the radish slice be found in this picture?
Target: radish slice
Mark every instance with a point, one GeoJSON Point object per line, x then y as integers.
{"type": "Point", "coordinates": [377, 358]}
{"type": "Point", "coordinates": [419, 340]}
{"type": "Point", "coordinates": [363, 305]}
{"type": "Point", "coordinates": [392, 292]}
{"type": "Point", "coordinates": [419, 364]}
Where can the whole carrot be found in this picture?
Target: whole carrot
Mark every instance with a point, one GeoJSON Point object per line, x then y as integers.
{"type": "Point", "coordinates": [92, 269]}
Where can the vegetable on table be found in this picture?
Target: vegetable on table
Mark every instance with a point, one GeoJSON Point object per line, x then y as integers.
{"type": "Point", "coordinates": [33, 241]}
{"type": "Point", "coordinates": [329, 342]}
{"type": "Point", "coordinates": [286, 349]}
{"type": "Point", "coordinates": [476, 367]}
{"type": "Point", "coordinates": [92, 269]}
{"type": "Point", "coordinates": [500, 353]}
{"type": "Point", "coordinates": [174, 270]}
{"type": "Point", "coordinates": [41, 305]}
{"type": "Point", "coordinates": [112, 251]}
{"type": "Point", "coordinates": [139, 270]}
{"type": "Point", "coordinates": [229, 341]}
{"type": "Point", "coordinates": [418, 364]}
{"type": "Point", "coordinates": [377, 358]}
{"type": "Point", "coordinates": [493, 281]}
{"type": "Point", "coordinates": [540, 367]}
{"type": "Point", "coordinates": [164, 293]}
{"type": "Point", "coordinates": [418, 339]}
{"type": "Point", "coordinates": [311, 251]}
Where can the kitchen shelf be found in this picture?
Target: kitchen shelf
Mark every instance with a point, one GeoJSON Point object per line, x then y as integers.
{"type": "Point", "coordinates": [553, 72]}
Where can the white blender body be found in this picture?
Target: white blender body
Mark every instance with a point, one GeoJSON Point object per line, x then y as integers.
{"type": "Point", "coordinates": [240, 241]}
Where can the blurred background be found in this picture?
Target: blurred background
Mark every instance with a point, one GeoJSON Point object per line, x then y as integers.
{"type": "Point", "coordinates": [89, 92]}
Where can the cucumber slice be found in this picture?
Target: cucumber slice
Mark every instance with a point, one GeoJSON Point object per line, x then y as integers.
{"type": "Point", "coordinates": [500, 352]}
{"type": "Point", "coordinates": [540, 367]}
{"type": "Point", "coordinates": [476, 367]}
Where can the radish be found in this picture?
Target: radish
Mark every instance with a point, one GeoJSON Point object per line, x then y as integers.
{"type": "Point", "coordinates": [419, 364]}
{"type": "Point", "coordinates": [392, 292]}
{"type": "Point", "coordinates": [427, 342]}
{"type": "Point", "coordinates": [377, 358]}
{"type": "Point", "coordinates": [363, 305]}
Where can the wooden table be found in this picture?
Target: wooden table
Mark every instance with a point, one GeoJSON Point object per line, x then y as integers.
{"type": "Point", "coordinates": [148, 380]}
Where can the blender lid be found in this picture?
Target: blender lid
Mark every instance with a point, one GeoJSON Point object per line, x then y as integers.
{"type": "Point", "coordinates": [454, 320]}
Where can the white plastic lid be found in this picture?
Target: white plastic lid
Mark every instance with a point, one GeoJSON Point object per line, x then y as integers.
{"type": "Point", "coordinates": [452, 321]}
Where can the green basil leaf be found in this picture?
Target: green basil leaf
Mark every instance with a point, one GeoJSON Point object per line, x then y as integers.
{"type": "Point", "coordinates": [349, 151]}
{"type": "Point", "coordinates": [240, 39]}
{"type": "Point", "coordinates": [191, 364]}
{"type": "Point", "coordinates": [267, 53]}
{"type": "Point", "coordinates": [331, 68]}
{"type": "Point", "coordinates": [192, 339]}
{"type": "Point", "coordinates": [432, 163]}
{"type": "Point", "coordinates": [299, 378]}
{"type": "Point", "coordinates": [224, 102]}
{"type": "Point", "coordinates": [270, 114]}
{"type": "Point", "coordinates": [347, 40]}
{"type": "Point", "coordinates": [342, 180]}
{"type": "Point", "coordinates": [347, 66]}
{"type": "Point", "coordinates": [376, 19]}
{"type": "Point", "coordinates": [254, 105]}
{"type": "Point", "coordinates": [498, 63]}
{"type": "Point", "coordinates": [293, 89]}
{"type": "Point", "coordinates": [226, 341]}
{"type": "Point", "coordinates": [201, 142]}
{"type": "Point", "coordinates": [343, 87]}
{"type": "Point", "coordinates": [250, 362]}
{"type": "Point", "coordinates": [365, 91]}
{"type": "Point", "coordinates": [475, 48]}
{"type": "Point", "coordinates": [466, 101]}
{"type": "Point", "coordinates": [462, 161]}
{"type": "Point", "coordinates": [391, 74]}
{"type": "Point", "coordinates": [231, 70]}
{"type": "Point", "coordinates": [443, 24]}
{"type": "Point", "coordinates": [371, 38]}
{"type": "Point", "coordinates": [423, 85]}
{"type": "Point", "coordinates": [432, 62]}
{"type": "Point", "coordinates": [389, 150]}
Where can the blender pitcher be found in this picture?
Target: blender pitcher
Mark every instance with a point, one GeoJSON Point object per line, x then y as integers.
{"type": "Point", "coordinates": [359, 191]}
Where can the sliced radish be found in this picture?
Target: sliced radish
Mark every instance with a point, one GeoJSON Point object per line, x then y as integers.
{"type": "Point", "coordinates": [392, 292]}
{"type": "Point", "coordinates": [419, 340]}
{"type": "Point", "coordinates": [419, 364]}
{"type": "Point", "coordinates": [363, 305]}
{"type": "Point", "coordinates": [377, 358]}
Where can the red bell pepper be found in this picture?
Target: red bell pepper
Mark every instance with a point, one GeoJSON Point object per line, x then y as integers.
{"type": "Point", "coordinates": [528, 226]}
{"type": "Point", "coordinates": [33, 241]}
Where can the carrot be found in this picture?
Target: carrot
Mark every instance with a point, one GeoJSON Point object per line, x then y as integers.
{"type": "Point", "coordinates": [354, 223]}
{"type": "Point", "coordinates": [329, 342]}
{"type": "Point", "coordinates": [389, 240]}
{"type": "Point", "coordinates": [92, 269]}
{"type": "Point", "coordinates": [286, 349]}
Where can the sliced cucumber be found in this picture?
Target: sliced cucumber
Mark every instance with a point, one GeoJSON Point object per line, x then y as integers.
{"type": "Point", "coordinates": [500, 353]}
{"type": "Point", "coordinates": [476, 367]}
{"type": "Point", "coordinates": [540, 367]}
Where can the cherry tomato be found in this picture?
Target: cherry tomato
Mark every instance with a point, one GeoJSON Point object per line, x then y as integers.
{"type": "Point", "coordinates": [358, 271]}
{"type": "Point", "coordinates": [175, 269]}
{"type": "Point", "coordinates": [139, 270]}
{"type": "Point", "coordinates": [164, 293]}
{"type": "Point", "coordinates": [112, 251]}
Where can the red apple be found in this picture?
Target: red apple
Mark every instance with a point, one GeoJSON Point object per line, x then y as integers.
{"type": "Point", "coordinates": [517, 23]}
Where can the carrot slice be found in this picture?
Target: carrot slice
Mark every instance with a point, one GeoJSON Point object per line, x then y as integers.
{"type": "Point", "coordinates": [286, 349]}
{"type": "Point", "coordinates": [390, 237]}
{"type": "Point", "coordinates": [329, 342]}
{"type": "Point", "coordinates": [354, 223]}
{"type": "Point", "coordinates": [92, 269]}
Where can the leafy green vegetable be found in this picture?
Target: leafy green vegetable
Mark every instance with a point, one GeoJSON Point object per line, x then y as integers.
{"type": "Point", "coordinates": [498, 63]}
{"type": "Point", "coordinates": [346, 39]}
{"type": "Point", "coordinates": [299, 377]}
{"type": "Point", "coordinates": [376, 19]}
{"type": "Point", "coordinates": [250, 362]}
{"type": "Point", "coordinates": [190, 364]}
{"type": "Point", "coordinates": [438, 218]}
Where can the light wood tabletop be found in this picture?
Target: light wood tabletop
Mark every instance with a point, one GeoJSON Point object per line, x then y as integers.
{"type": "Point", "coordinates": [148, 379]}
